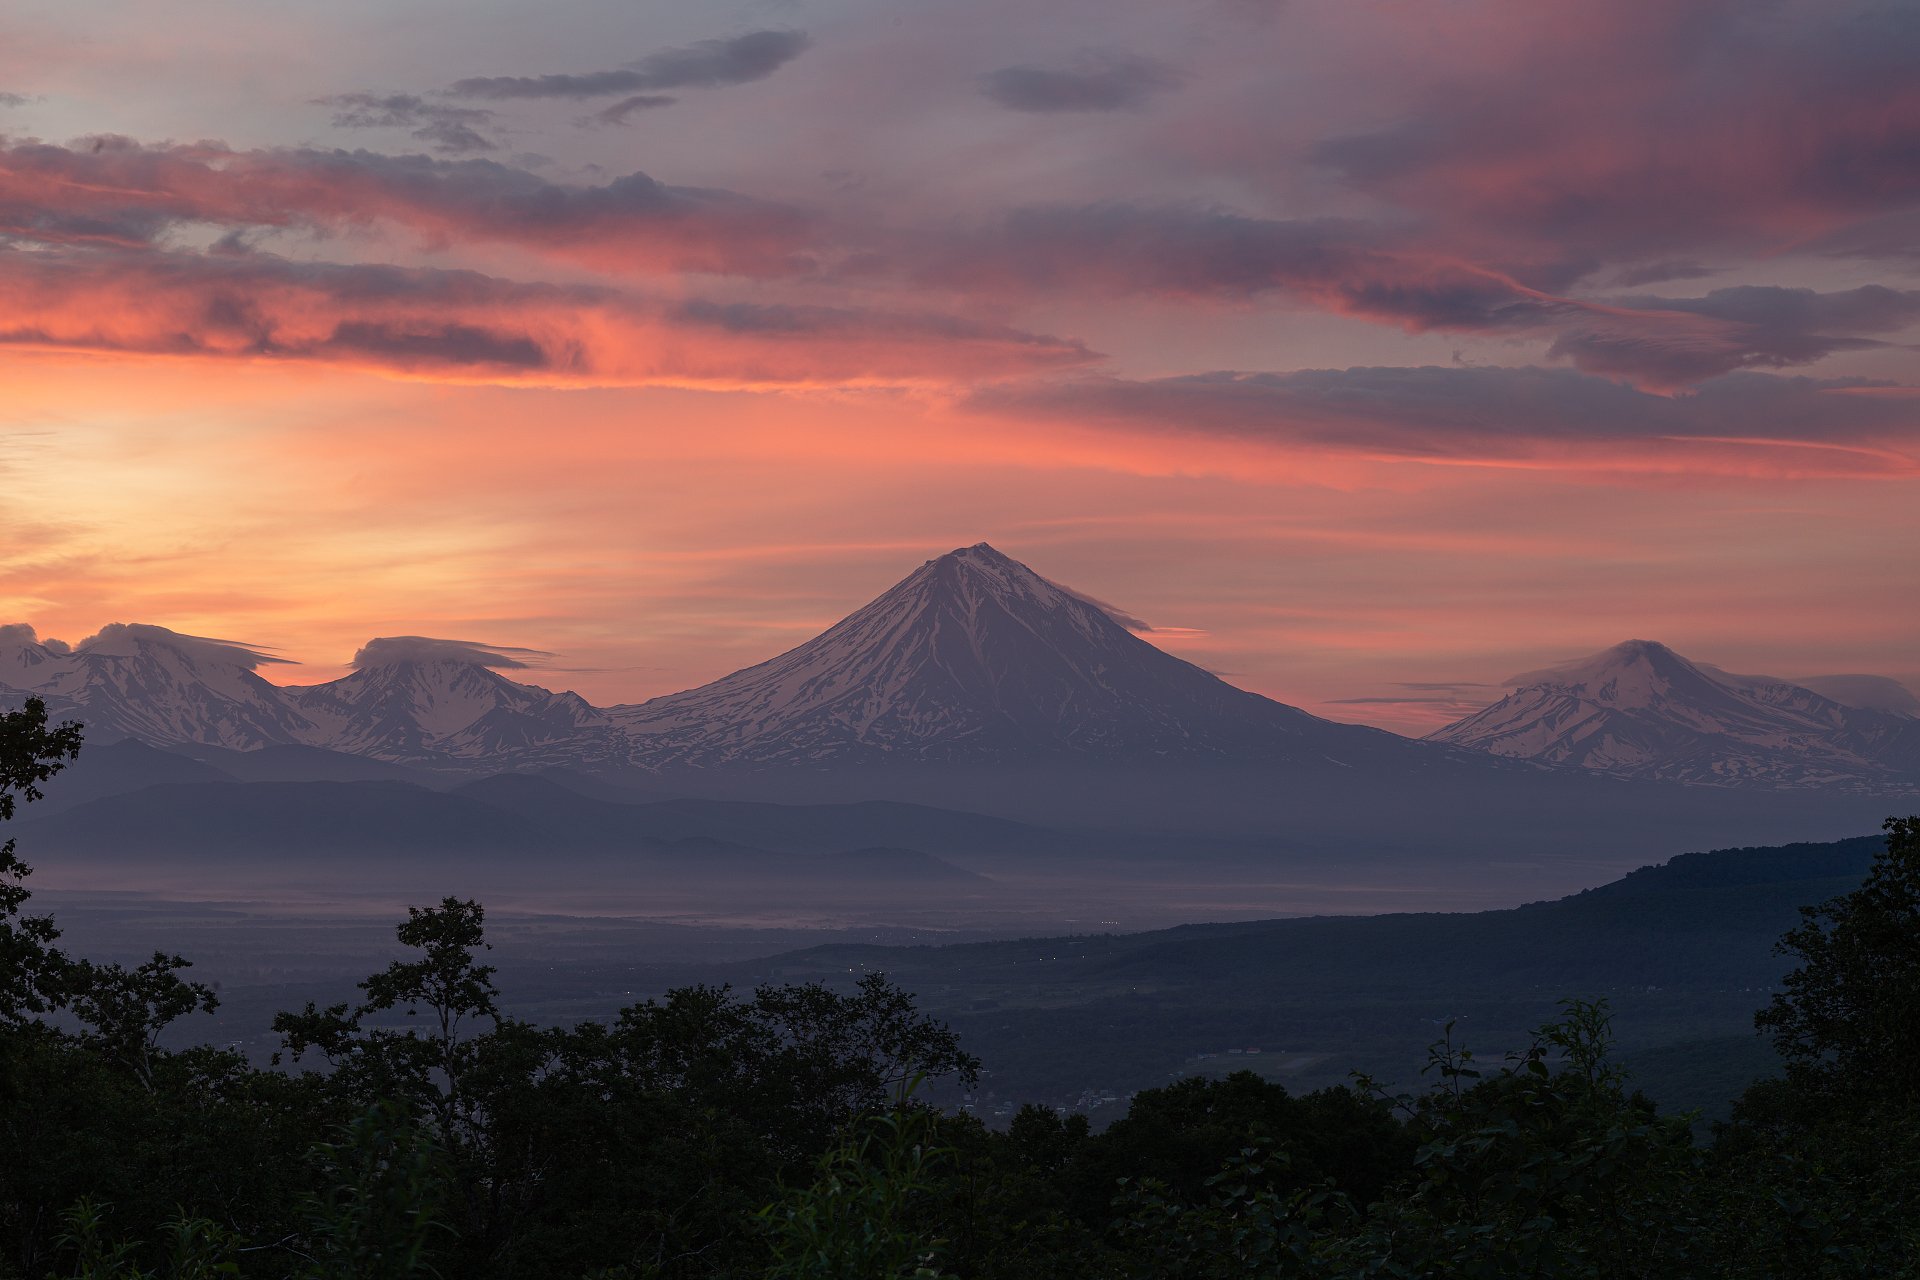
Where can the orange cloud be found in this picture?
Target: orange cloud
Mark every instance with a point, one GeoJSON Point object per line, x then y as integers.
{"type": "Point", "coordinates": [464, 326]}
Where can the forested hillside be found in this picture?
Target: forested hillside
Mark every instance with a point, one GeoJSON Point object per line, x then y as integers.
{"type": "Point", "coordinates": [1682, 951]}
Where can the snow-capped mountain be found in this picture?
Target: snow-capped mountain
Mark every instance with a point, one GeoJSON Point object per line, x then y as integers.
{"type": "Point", "coordinates": [408, 699]}
{"type": "Point", "coordinates": [26, 661]}
{"type": "Point", "coordinates": [972, 659]}
{"type": "Point", "coordinates": [415, 699]}
{"type": "Point", "coordinates": [975, 658]}
{"type": "Point", "coordinates": [132, 680]}
{"type": "Point", "coordinates": [1641, 710]}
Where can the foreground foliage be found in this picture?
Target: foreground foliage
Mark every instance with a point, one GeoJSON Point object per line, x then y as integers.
{"type": "Point", "coordinates": [423, 1131]}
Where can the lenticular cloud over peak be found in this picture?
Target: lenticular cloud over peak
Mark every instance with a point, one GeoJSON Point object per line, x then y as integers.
{"type": "Point", "coordinates": [20, 635]}
{"type": "Point", "coordinates": [123, 638]}
{"type": "Point", "coordinates": [387, 650]}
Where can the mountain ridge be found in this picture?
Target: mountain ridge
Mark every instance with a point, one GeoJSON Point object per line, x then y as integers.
{"type": "Point", "coordinates": [1642, 710]}
{"type": "Point", "coordinates": [973, 658]}
{"type": "Point", "coordinates": [971, 661]}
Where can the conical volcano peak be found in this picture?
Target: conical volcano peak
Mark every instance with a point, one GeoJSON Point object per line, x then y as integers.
{"type": "Point", "coordinates": [972, 656]}
{"type": "Point", "coordinates": [982, 559]}
{"type": "Point", "coordinates": [982, 563]}
{"type": "Point", "coordinates": [984, 553]}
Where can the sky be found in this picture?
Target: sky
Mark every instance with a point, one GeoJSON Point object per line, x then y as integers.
{"type": "Point", "coordinates": [1371, 351]}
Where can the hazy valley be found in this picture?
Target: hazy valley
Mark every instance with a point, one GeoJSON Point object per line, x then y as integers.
{"type": "Point", "coordinates": [987, 787]}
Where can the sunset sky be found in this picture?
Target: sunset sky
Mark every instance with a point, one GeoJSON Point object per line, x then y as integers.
{"type": "Point", "coordinates": [1370, 352]}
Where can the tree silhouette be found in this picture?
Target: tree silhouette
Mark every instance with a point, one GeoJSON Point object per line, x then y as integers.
{"type": "Point", "coordinates": [30, 966]}
{"type": "Point", "coordinates": [1848, 1020]}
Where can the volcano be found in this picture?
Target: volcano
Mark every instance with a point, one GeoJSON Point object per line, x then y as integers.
{"type": "Point", "coordinates": [153, 685]}
{"type": "Point", "coordinates": [975, 658]}
{"type": "Point", "coordinates": [1640, 710]}
{"type": "Point", "coordinates": [413, 699]}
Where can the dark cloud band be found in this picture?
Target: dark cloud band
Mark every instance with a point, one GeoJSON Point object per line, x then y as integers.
{"type": "Point", "coordinates": [447, 129]}
{"type": "Point", "coordinates": [703, 65]}
{"type": "Point", "coordinates": [1441, 413]}
{"type": "Point", "coordinates": [1097, 82]}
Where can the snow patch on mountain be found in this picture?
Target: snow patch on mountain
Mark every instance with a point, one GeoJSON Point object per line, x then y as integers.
{"type": "Point", "coordinates": [419, 700]}
{"type": "Point", "coordinates": [974, 657]}
{"type": "Point", "coordinates": [135, 680]}
{"type": "Point", "coordinates": [1641, 710]}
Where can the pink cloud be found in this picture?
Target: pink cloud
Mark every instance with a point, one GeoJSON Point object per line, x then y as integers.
{"type": "Point", "coordinates": [1744, 424]}
{"type": "Point", "coordinates": [1628, 132]}
{"type": "Point", "coordinates": [473, 327]}
{"type": "Point", "coordinates": [116, 191]}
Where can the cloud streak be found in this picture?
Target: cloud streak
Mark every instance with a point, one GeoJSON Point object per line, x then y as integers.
{"type": "Point", "coordinates": [448, 129]}
{"type": "Point", "coordinates": [1751, 326]}
{"type": "Point", "coordinates": [469, 326]}
{"type": "Point", "coordinates": [705, 64]}
{"type": "Point", "coordinates": [1388, 275]}
{"type": "Point", "coordinates": [1096, 82]}
{"type": "Point", "coordinates": [623, 111]}
{"type": "Point", "coordinates": [1742, 421]}
{"type": "Point", "coordinates": [116, 191]}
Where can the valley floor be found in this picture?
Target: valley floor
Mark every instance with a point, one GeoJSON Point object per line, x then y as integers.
{"type": "Point", "coordinates": [1077, 1002]}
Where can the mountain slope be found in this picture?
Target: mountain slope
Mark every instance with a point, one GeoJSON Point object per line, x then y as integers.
{"type": "Point", "coordinates": [981, 685]}
{"type": "Point", "coordinates": [373, 836]}
{"type": "Point", "coordinates": [132, 680]}
{"type": "Point", "coordinates": [1641, 710]}
{"type": "Point", "coordinates": [411, 699]}
{"type": "Point", "coordinates": [304, 764]}
{"type": "Point", "coordinates": [115, 768]}
{"type": "Point", "coordinates": [809, 828]}
{"type": "Point", "coordinates": [975, 658]}
{"type": "Point", "coordinates": [1682, 952]}
{"type": "Point", "coordinates": [301, 824]}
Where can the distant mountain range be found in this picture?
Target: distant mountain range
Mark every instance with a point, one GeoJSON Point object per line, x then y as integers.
{"type": "Point", "coordinates": [155, 686]}
{"type": "Point", "coordinates": [1640, 710]}
{"type": "Point", "coordinates": [973, 658]}
{"type": "Point", "coordinates": [424, 701]}
{"type": "Point", "coordinates": [973, 661]}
